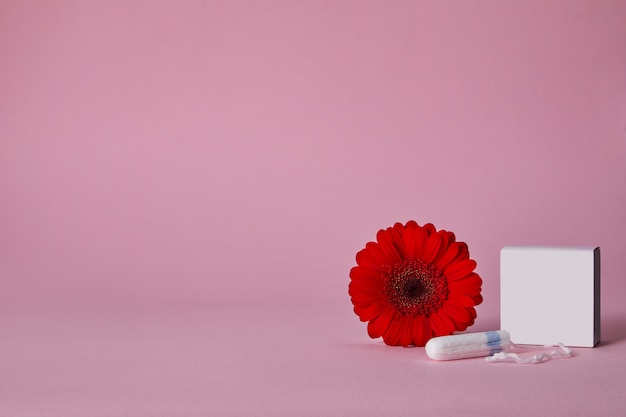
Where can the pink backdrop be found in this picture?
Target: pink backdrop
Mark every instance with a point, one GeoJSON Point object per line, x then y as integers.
{"type": "Point", "coordinates": [237, 151]}
{"type": "Point", "coordinates": [230, 153]}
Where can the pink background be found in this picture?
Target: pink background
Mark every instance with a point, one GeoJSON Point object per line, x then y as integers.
{"type": "Point", "coordinates": [184, 186]}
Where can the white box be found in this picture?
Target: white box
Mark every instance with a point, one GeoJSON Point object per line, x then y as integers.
{"type": "Point", "coordinates": [550, 295]}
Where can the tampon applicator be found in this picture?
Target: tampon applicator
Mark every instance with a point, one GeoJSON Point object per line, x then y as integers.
{"type": "Point", "coordinates": [469, 345]}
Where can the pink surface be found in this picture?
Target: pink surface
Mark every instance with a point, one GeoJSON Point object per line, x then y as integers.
{"type": "Point", "coordinates": [278, 362]}
{"type": "Point", "coordinates": [184, 186]}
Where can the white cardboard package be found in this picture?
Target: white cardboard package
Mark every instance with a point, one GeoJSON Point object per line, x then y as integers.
{"type": "Point", "coordinates": [550, 295]}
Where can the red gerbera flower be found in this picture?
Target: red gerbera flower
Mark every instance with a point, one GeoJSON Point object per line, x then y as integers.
{"type": "Point", "coordinates": [414, 283]}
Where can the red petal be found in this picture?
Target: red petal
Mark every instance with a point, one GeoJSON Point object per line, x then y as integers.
{"type": "Point", "coordinates": [410, 239]}
{"type": "Point", "coordinates": [369, 312]}
{"type": "Point", "coordinates": [392, 335]}
{"type": "Point", "coordinates": [379, 325]}
{"type": "Point", "coordinates": [461, 299]}
{"type": "Point", "coordinates": [421, 331]}
{"type": "Point", "coordinates": [441, 323]}
{"type": "Point", "coordinates": [458, 270]}
{"type": "Point", "coordinates": [431, 248]}
{"type": "Point", "coordinates": [420, 237]}
{"type": "Point", "coordinates": [470, 285]}
{"type": "Point", "coordinates": [397, 234]}
{"type": "Point", "coordinates": [365, 287]}
{"type": "Point", "coordinates": [447, 238]}
{"type": "Point", "coordinates": [406, 331]}
{"type": "Point", "coordinates": [371, 257]}
{"type": "Point", "coordinates": [463, 252]}
{"type": "Point", "coordinates": [459, 315]}
{"type": "Point", "coordinates": [429, 228]}
{"type": "Point", "coordinates": [478, 299]}
{"type": "Point", "coordinates": [375, 256]}
{"type": "Point", "coordinates": [364, 299]}
{"type": "Point", "coordinates": [448, 255]}
{"type": "Point", "coordinates": [444, 315]}
{"type": "Point", "coordinates": [411, 223]}
{"type": "Point", "coordinates": [389, 246]}
{"type": "Point", "coordinates": [359, 273]}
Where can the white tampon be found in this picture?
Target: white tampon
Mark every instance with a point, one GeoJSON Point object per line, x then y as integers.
{"type": "Point", "coordinates": [469, 345]}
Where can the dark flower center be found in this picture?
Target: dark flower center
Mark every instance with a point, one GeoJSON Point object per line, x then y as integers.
{"type": "Point", "coordinates": [415, 288]}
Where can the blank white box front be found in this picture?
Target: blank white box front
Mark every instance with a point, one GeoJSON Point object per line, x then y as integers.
{"type": "Point", "coordinates": [550, 295]}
